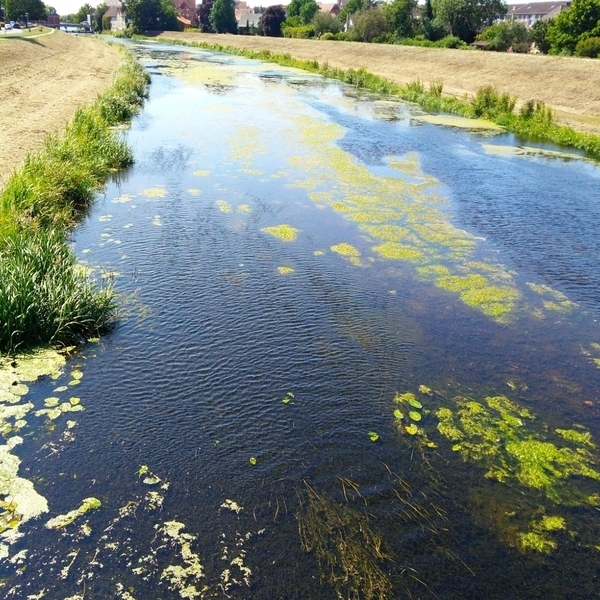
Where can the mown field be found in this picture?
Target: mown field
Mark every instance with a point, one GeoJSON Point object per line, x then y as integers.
{"type": "Point", "coordinates": [43, 80]}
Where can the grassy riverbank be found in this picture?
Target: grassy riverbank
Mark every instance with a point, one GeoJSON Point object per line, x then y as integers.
{"type": "Point", "coordinates": [44, 296]}
{"type": "Point", "coordinates": [533, 120]}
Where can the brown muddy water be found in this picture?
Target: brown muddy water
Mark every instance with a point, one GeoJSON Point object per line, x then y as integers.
{"type": "Point", "coordinates": [358, 357]}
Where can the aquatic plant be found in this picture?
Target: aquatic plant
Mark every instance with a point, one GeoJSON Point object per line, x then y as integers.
{"type": "Point", "coordinates": [287, 233]}
{"type": "Point", "coordinates": [499, 436]}
{"type": "Point", "coordinates": [350, 554]}
{"type": "Point", "coordinates": [515, 449]}
{"type": "Point", "coordinates": [61, 521]}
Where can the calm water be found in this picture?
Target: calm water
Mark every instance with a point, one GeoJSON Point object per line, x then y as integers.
{"type": "Point", "coordinates": [251, 369]}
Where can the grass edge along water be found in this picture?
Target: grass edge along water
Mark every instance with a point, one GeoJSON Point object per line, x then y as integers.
{"type": "Point", "coordinates": [45, 297]}
{"type": "Point", "coordinates": [534, 120]}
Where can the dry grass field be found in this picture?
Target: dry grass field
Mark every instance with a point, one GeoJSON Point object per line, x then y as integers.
{"type": "Point", "coordinates": [43, 79]}
{"type": "Point", "coordinates": [571, 86]}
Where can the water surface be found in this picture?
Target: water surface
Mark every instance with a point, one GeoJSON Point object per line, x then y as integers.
{"type": "Point", "coordinates": [249, 369]}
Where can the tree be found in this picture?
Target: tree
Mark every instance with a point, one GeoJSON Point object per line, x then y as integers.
{"type": "Point", "coordinates": [305, 10]}
{"type": "Point", "coordinates": [271, 20]}
{"type": "Point", "coordinates": [399, 15]}
{"type": "Point", "coordinates": [580, 21]}
{"type": "Point", "coordinates": [506, 34]}
{"type": "Point", "coordinates": [539, 35]}
{"type": "Point", "coordinates": [368, 25]}
{"type": "Point", "coordinates": [325, 23]}
{"type": "Point", "coordinates": [99, 12]}
{"type": "Point", "coordinates": [203, 12]}
{"type": "Point", "coordinates": [151, 15]}
{"type": "Point", "coordinates": [354, 6]}
{"type": "Point", "coordinates": [464, 18]}
{"type": "Point", "coordinates": [83, 12]}
{"type": "Point", "coordinates": [222, 16]}
{"type": "Point", "coordinates": [16, 9]}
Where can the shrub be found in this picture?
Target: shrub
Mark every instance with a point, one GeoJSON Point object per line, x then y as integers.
{"type": "Point", "coordinates": [368, 25]}
{"type": "Point", "coordinates": [504, 35]}
{"type": "Point", "coordinates": [589, 47]}
{"type": "Point", "coordinates": [490, 104]}
{"type": "Point", "coordinates": [304, 31]}
{"type": "Point", "coordinates": [325, 23]}
{"type": "Point", "coordinates": [342, 36]}
{"type": "Point", "coordinates": [328, 36]}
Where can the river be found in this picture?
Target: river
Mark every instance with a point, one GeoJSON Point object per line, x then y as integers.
{"type": "Point", "coordinates": [358, 356]}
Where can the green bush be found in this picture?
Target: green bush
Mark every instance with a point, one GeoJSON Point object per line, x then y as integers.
{"type": "Point", "coordinates": [342, 36]}
{"type": "Point", "coordinates": [302, 32]}
{"type": "Point", "coordinates": [506, 34]}
{"type": "Point", "coordinates": [328, 36]}
{"type": "Point", "coordinates": [488, 103]}
{"type": "Point", "coordinates": [589, 47]}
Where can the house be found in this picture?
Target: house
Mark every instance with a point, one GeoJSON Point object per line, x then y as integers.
{"type": "Point", "coordinates": [528, 14]}
{"type": "Point", "coordinates": [186, 12]}
{"type": "Point", "coordinates": [333, 8]}
{"type": "Point", "coordinates": [117, 17]}
{"type": "Point", "coordinates": [248, 18]}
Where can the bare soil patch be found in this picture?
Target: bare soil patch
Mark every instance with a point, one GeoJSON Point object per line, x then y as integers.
{"type": "Point", "coordinates": [569, 85]}
{"type": "Point", "coordinates": [43, 80]}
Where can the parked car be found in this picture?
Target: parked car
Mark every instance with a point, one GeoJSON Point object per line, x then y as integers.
{"type": "Point", "coordinates": [16, 26]}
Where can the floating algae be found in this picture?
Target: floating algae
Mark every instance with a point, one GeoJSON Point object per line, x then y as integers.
{"type": "Point", "coordinates": [403, 216]}
{"type": "Point", "coordinates": [480, 125]}
{"type": "Point", "coordinates": [223, 206]}
{"type": "Point", "coordinates": [349, 552]}
{"type": "Point", "coordinates": [63, 520]}
{"type": "Point", "coordinates": [538, 538]}
{"type": "Point", "coordinates": [501, 438]}
{"type": "Point", "coordinates": [347, 251]}
{"type": "Point", "coordinates": [533, 463]}
{"type": "Point", "coordinates": [244, 208]}
{"type": "Point", "coordinates": [285, 270]}
{"type": "Point", "coordinates": [194, 192]}
{"type": "Point", "coordinates": [287, 233]}
{"type": "Point", "coordinates": [201, 173]}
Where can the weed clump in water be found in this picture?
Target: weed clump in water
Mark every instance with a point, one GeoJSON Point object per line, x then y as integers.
{"type": "Point", "coordinates": [349, 552]}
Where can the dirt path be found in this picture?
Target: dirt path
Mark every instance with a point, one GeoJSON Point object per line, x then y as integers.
{"type": "Point", "coordinates": [571, 86]}
{"type": "Point", "coordinates": [43, 80]}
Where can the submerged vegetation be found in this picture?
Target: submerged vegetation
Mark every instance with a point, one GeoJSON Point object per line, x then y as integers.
{"type": "Point", "coordinates": [44, 296]}
{"type": "Point", "coordinates": [350, 554]}
{"type": "Point", "coordinates": [542, 470]}
{"type": "Point", "coordinates": [533, 120]}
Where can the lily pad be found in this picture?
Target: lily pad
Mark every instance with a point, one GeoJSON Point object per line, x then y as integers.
{"type": "Point", "coordinates": [415, 403]}
{"type": "Point", "coordinates": [414, 415]}
{"type": "Point", "coordinates": [373, 436]}
{"type": "Point", "coordinates": [252, 460]}
{"type": "Point", "coordinates": [398, 414]}
{"type": "Point", "coordinates": [412, 429]}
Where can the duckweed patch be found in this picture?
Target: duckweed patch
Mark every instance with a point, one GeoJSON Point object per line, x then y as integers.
{"type": "Point", "coordinates": [155, 192]}
{"type": "Point", "coordinates": [512, 447]}
{"type": "Point", "coordinates": [61, 521]}
{"type": "Point", "coordinates": [349, 552]}
{"type": "Point", "coordinates": [224, 206]}
{"type": "Point", "coordinates": [287, 233]}
{"type": "Point", "coordinates": [285, 270]}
